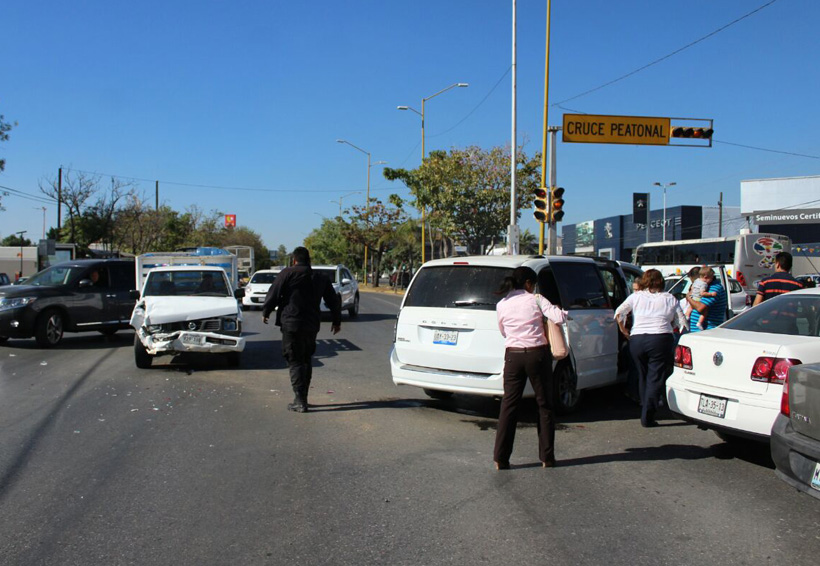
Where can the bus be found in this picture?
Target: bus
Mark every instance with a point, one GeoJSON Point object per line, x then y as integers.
{"type": "Point", "coordinates": [747, 257]}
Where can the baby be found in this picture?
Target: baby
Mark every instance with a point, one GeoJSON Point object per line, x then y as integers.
{"type": "Point", "coordinates": [698, 291]}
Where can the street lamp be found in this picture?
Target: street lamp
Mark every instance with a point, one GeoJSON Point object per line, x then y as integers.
{"type": "Point", "coordinates": [21, 250]}
{"type": "Point", "coordinates": [664, 186]}
{"type": "Point", "coordinates": [342, 197]}
{"type": "Point", "coordinates": [423, 100]}
{"type": "Point", "coordinates": [367, 203]}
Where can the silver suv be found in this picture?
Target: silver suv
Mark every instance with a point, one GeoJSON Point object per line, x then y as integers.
{"type": "Point", "coordinates": [447, 339]}
{"type": "Point", "coordinates": [345, 286]}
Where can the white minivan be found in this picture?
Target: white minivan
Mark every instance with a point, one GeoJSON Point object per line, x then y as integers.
{"type": "Point", "coordinates": [447, 338]}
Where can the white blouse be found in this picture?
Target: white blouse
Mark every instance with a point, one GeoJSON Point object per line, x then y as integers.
{"type": "Point", "coordinates": [652, 313]}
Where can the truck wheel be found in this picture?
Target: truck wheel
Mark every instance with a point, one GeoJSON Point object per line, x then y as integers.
{"type": "Point", "coordinates": [48, 330]}
{"type": "Point", "coordinates": [566, 395]}
{"type": "Point", "coordinates": [141, 357]}
{"type": "Point", "coordinates": [353, 311]}
{"type": "Point", "coordinates": [233, 359]}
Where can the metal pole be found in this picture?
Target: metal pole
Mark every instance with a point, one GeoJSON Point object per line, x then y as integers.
{"type": "Point", "coordinates": [720, 216]}
{"type": "Point", "coordinates": [156, 196]}
{"type": "Point", "coordinates": [546, 122]}
{"type": "Point", "coordinates": [512, 238]}
{"type": "Point", "coordinates": [664, 213]}
{"type": "Point", "coordinates": [423, 245]}
{"type": "Point", "coordinates": [553, 232]}
{"type": "Point", "coordinates": [20, 234]}
{"type": "Point", "coordinates": [367, 217]}
{"type": "Point", "coordinates": [59, 200]}
{"type": "Point", "coordinates": [648, 216]}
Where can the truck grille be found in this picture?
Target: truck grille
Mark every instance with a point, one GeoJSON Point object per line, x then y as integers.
{"type": "Point", "coordinates": [202, 325]}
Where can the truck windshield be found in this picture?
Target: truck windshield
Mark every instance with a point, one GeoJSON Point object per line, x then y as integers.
{"type": "Point", "coordinates": [186, 283]}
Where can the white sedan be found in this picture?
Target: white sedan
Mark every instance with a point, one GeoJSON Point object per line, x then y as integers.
{"type": "Point", "coordinates": [730, 379]}
{"type": "Point", "coordinates": [257, 287]}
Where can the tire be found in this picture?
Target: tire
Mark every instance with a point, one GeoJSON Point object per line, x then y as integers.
{"type": "Point", "coordinates": [48, 330]}
{"type": "Point", "coordinates": [566, 395]}
{"type": "Point", "coordinates": [141, 357]}
{"type": "Point", "coordinates": [233, 359]}
{"type": "Point", "coordinates": [436, 394]}
{"type": "Point", "coordinates": [353, 311]}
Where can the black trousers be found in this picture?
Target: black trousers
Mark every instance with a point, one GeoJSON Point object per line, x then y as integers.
{"type": "Point", "coordinates": [298, 348]}
{"type": "Point", "coordinates": [535, 364]}
{"type": "Point", "coordinates": [652, 354]}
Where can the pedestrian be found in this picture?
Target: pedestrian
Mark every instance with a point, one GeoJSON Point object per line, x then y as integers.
{"type": "Point", "coordinates": [780, 282]}
{"type": "Point", "coordinates": [713, 307]}
{"type": "Point", "coordinates": [296, 295]}
{"type": "Point", "coordinates": [651, 340]}
{"type": "Point", "coordinates": [527, 356]}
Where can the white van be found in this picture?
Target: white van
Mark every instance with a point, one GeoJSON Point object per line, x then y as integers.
{"type": "Point", "coordinates": [447, 338]}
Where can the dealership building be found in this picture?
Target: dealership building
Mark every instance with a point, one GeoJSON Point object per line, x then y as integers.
{"type": "Point", "coordinates": [789, 206]}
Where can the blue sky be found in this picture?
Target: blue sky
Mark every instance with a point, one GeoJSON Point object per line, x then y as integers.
{"type": "Point", "coordinates": [251, 96]}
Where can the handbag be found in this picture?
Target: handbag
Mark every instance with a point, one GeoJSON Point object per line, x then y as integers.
{"type": "Point", "coordinates": [555, 337]}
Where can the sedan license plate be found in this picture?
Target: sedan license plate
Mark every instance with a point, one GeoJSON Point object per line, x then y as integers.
{"type": "Point", "coordinates": [445, 337]}
{"type": "Point", "coordinates": [713, 406]}
{"type": "Point", "coordinates": [193, 339]}
{"type": "Point", "coordinates": [815, 478]}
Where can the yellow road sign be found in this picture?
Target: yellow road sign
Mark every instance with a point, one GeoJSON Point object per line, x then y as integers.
{"type": "Point", "coordinates": [641, 130]}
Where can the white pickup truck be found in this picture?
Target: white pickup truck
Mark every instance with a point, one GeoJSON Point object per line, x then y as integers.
{"type": "Point", "coordinates": [187, 303]}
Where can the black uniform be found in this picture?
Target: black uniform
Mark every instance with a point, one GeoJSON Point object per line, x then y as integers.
{"type": "Point", "coordinates": [296, 294]}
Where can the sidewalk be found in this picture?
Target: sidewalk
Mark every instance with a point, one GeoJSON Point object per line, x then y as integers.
{"type": "Point", "coordinates": [386, 289]}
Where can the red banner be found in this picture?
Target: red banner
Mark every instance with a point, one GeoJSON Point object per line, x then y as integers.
{"type": "Point", "coordinates": [230, 221]}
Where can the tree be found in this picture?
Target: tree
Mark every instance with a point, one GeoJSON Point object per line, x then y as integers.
{"type": "Point", "coordinates": [328, 244]}
{"type": "Point", "coordinates": [375, 228]}
{"type": "Point", "coordinates": [5, 128]}
{"type": "Point", "coordinates": [466, 192]}
{"type": "Point", "coordinates": [14, 240]}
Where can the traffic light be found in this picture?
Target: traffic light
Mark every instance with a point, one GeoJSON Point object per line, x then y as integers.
{"type": "Point", "coordinates": [685, 132]}
{"type": "Point", "coordinates": [556, 205]}
{"type": "Point", "coordinates": [541, 205]}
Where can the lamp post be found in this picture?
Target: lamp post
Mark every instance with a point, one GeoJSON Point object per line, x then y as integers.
{"type": "Point", "coordinates": [342, 197]}
{"type": "Point", "coordinates": [367, 202]}
{"type": "Point", "coordinates": [664, 187]}
{"type": "Point", "coordinates": [21, 250]}
{"type": "Point", "coordinates": [423, 155]}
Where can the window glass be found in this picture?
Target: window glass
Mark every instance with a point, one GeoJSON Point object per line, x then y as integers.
{"type": "Point", "coordinates": [263, 278]}
{"type": "Point", "coordinates": [580, 285]}
{"type": "Point", "coordinates": [734, 286]}
{"type": "Point", "coordinates": [614, 287]}
{"type": "Point", "coordinates": [329, 272]}
{"type": "Point", "coordinates": [346, 274]}
{"type": "Point", "coordinates": [457, 286]}
{"type": "Point", "coordinates": [122, 276]}
{"type": "Point", "coordinates": [548, 287]}
{"type": "Point", "coordinates": [787, 314]}
{"type": "Point", "coordinates": [630, 276]}
{"type": "Point", "coordinates": [56, 275]}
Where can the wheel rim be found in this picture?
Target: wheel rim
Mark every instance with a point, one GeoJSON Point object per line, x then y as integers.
{"type": "Point", "coordinates": [567, 389]}
{"type": "Point", "coordinates": [54, 328]}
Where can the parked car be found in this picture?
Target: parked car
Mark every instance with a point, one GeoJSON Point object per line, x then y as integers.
{"type": "Point", "coordinates": [809, 281]}
{"type": "Point", "coordinates": [4, 279]}
{"type": "Point", "coordinates": [257, 287]}
{"type": "Point", "coordinates": [447, 338]}
{"type": "Point", "coordinates": [69, 297]}
{"type": "Point", "coordinates": [738, 300]}
{"type": "Point", "coordinates": [730, 379]}
{"type": "Point", "coordinates": [796, 430]}
{"type": "Point", "coordinates": [345, 286]}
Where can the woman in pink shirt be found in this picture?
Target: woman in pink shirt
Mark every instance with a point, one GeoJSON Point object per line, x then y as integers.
{"type": "Point", "coordinates": [520, 319]}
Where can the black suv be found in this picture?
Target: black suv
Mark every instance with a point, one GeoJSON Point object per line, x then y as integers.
{"type": "Point", "coordinates": [74, 296]}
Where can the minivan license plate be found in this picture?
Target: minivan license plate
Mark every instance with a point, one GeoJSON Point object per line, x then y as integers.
{"type": "Point", "coordinates": [713, 406]}
{"type": "Point", "coordinates": [445, 337]}
{"type": "Point", "coordinates": [815, 478]}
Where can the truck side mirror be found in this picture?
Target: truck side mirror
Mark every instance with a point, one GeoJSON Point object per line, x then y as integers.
{"type": "Point", "coordinates": [134, 295]}
{"type": "Point", "coordinates": [239, 293]}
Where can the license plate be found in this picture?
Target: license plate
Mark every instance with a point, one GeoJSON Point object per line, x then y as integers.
{"type": "Point", "coordinates": [445, 337]}
{"type": "Point", "coordinates": [815, 478]}
{"type": "Point", "coordinates": [713, 406]}
{"type": "Point", "coordinates": [193, 339]}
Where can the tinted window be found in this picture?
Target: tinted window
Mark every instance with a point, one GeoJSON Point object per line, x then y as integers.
{"type": "Point", "coordinates": [548, 287]}
{"type": "Point", "coordinates": [56, 275]}
{"type": "Point", "coordinates": [614, 286]}
{"type": "Point", "coordinates": [329, 273]}
{"type": "Point", "coordinates": [457, 286]}
{"type": "Point", "coordinates": [581, 286]}
{"type": "Point", "coordinates": [346, 274]}
{"type": "Point", "coordinates": [787, 314]}
{"type": "Point", "coordinates": [122, 276]}
{"type": "Point", "coordinates": [263, 278]}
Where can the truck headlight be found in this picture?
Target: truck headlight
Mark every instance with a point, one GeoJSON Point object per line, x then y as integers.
{"type": "Point", "coordinates": [229, 324]}
{"type": "Point", "coordinates": [9, 303]}
{"type": "Point", "coordinates": [153, 328]}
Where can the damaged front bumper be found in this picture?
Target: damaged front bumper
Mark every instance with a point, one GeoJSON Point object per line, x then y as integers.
{"type": "Point", "coordinates": [189, 341]}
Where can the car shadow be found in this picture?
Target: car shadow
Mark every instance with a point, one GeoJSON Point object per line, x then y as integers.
{"type": "Point", "coordinates": [79, 341]}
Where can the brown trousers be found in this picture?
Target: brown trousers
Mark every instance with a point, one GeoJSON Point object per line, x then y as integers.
{"type": "Point", "coordinates": [535, 364]}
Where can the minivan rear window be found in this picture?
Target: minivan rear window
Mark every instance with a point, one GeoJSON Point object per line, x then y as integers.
{"type": "Point", "coordinates": [581, 285]}
{"type": "Point", "coordinates": [457, 286]}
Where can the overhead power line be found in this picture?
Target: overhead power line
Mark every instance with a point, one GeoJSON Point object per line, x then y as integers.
{"type": "Point", "coordinates": [18, 193]}
{"type": "Point", "coordinates": [665, 57]}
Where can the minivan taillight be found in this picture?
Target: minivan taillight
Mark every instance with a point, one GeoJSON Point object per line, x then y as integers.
{"type": "Point", "coordinates": [740, 278]}
{"type": "Point", "coordinates": [784, 399]}
{"type": "Point", "coordinates": [772, 370]}
{"type": "Point", "coordinates": [683, 357]}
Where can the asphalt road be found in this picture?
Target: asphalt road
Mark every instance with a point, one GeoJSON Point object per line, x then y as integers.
{"type": "Point", "coordinates": [192, 462]}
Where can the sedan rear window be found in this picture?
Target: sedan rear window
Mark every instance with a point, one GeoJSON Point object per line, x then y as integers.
{"type": "Point", "coordinates": [457, 286]}
{"type": "Point", "coordinates": [796, 315]}
{"type": "Point", "coordinates": [263, 278]}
